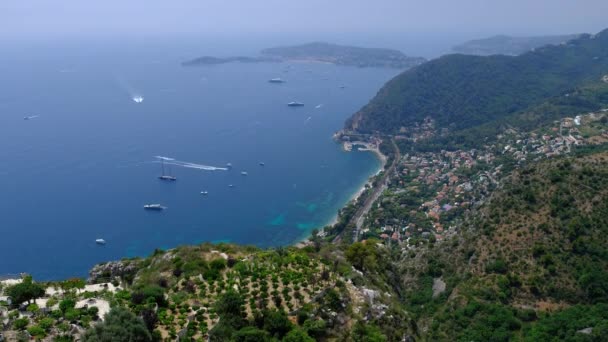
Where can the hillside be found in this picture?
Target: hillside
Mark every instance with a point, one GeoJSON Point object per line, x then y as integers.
{"type": "Point", "coordinates": [508, 45]}
{"type": "Point", "coordinates": [530, 263]}
{"type": "Point", "coordinates": [224, 292]}
{"type": "Point", "coordinates": [459, 92]}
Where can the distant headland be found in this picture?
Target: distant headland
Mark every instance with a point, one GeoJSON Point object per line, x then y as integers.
{"type": "Point", "coordinates": [321, 52]}
{"type": "Point", "coordinates": [510, 46]}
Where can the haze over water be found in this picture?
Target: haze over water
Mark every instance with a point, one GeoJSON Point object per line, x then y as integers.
{"type": "Point", "coordinates": [84, 167]}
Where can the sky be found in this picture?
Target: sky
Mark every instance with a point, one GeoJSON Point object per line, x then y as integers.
{"type": "Point", "coordinates": [47, 18]}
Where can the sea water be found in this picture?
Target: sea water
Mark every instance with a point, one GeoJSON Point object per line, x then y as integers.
{"type": "Point", "coordinates": [84, 163]}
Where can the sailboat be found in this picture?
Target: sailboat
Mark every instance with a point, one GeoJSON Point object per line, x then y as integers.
{"type": "Point", "coordinates": [164, 176]}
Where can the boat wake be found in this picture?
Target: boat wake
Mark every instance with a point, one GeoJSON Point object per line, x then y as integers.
{"type": "Point", "coordinates": [135, 95]}
{"type": "Point", "coordinates": [318, 106]}
{"type": "Point", "coordinates": [189, 165]}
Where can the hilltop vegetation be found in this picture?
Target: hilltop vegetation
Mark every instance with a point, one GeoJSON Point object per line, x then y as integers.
{"type": "Point", "coordinates": [537, 247]}
{"type": "Point", "coordinates": [507, 45]}
{"type": "Point", "coordinates": [460, 92]}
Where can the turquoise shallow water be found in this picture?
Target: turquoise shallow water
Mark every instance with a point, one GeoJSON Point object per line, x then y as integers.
{"type": "Point", "coordinates": [85, 166]}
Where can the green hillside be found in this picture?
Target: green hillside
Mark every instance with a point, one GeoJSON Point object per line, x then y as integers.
{"type": "Point", "coordinates": [460, 92]}
{"type": "Point", "coordinates": [535, 254]}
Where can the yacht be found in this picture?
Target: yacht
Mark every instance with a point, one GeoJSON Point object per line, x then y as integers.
{"type": "Point", "coordinates": [100, 241]}
{"type": "Point", "coordinates": [295, 104]}
{"type": "Point", "coordinates": [156, 207]}
{"type": "Point", "coordinates": [163, 175]}
{"type": "Point", "coordinates": [167, 178]}
{"type": "Point", "coordinates": [276, 80]}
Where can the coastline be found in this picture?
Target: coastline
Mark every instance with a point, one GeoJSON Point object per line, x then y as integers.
{"type": "Point", "coordinates": [368, 147]}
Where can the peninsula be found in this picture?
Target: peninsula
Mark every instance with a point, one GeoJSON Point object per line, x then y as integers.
{"type": "Point", "coordinates": [324, 53]}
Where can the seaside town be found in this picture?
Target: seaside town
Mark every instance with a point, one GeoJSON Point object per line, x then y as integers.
{"type": "Point", "coordinates": [428, 192]}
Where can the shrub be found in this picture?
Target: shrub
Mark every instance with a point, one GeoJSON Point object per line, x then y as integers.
{"type": "Point", "coordinates": [21, 323]}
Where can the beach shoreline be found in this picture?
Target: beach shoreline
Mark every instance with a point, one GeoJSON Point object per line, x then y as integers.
{"type": "Point", "coordinates": [368, 147]}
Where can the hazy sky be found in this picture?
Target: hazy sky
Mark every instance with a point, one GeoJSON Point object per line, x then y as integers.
{"type": "Point", "coordinates": [75, 17]}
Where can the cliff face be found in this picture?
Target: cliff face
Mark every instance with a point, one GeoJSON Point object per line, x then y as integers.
{"type": "Point", "coordinates": [113, 270]}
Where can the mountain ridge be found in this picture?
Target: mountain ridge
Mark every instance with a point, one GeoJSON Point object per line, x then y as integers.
{"type": "Point", "coordinates": [461, 91]}
{"type": "Point", "coordinates": [509, 45]}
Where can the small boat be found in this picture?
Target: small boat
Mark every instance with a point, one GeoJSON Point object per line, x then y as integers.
{"type": "Point", "coordinates": [205, 193]}
{"type": "Point", "coordinates": [244, 173]}
{"type": "Point", "coordinates": [156, 207]}
{"type": "Point", "coordinates": [262, 164]}
{"type": "Point", "coordinates": [167, 178]}
{"type": "Point", "coordinates": [276, 80]}
{"type": "Point", "coordinates": [163, 176]}
{"type": "Point", "coordinates": [230, 186]}
{"type": "Point", "coordinates": [295, 104]}
{"type": "Point", "coordinates": [100, 241]}
{"type": "Point", "coordinates": [30, 117]}
{"type": "Point", "coordinates": [229, 165]}
{"type": "Point", "coordinates": [138, 99]}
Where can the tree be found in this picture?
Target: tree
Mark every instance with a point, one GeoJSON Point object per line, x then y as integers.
{"type": "Point", "coordinates": [367, 333]}
{"type": "Point", "coordinates": [21, 323]}
{"type": "Point", "coordinates": [315, 327]}
{"type": "Point", "coordinates": [150, 318]}
{"type": "Point", "coordinates": [37, 332]}
{"type": "Point", "coordinates": [67, 304]}
{"type": "Point", "coordinates": [73, 284]}
{"type": "Point", "coordinates": [361, 255]}
{"type": "Point", "coordinates": [221, 332]}
{"type": "Point", "coordinates": [149, 294]}
{"type": "Point", "coordinates": [120, 325]}
{"type": "Point", "coordinates": [298, 335]}
{"type": "Point", "coordinates": [229, 308]}
{"type": "Point", "coordinates": [252, 334]}
{"type": "Point", "coordinates": [277, 323]}
{"type": "Point", "coordinates": [25, 291]}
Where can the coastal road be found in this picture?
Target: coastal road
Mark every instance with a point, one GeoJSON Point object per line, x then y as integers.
{"type": "Point", "coordinates": [360, 215]}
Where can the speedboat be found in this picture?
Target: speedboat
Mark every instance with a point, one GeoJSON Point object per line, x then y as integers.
{"type": "Point", "coordinates": [156, 207]}
{"type": "Point", "coordinates": [295, 104]}
{"type": "Point", "coordinates": [100, 241]}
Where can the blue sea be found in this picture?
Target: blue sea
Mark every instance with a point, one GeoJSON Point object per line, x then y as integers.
{"type": "Point", "coordinates": [83, 166]}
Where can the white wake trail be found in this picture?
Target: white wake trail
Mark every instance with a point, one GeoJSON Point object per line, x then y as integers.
{"type": "Point", "coordinates": [189, 165]}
